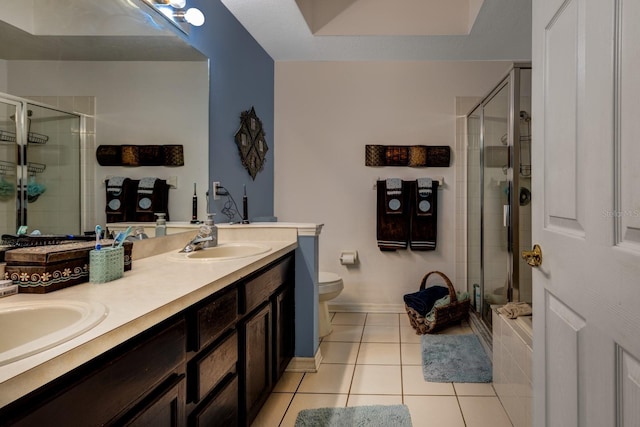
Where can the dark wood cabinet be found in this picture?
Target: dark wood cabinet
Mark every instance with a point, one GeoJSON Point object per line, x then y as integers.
{"type": "Point", "coordinates": [283, 330]}
{"type": "Point", "coordinates": [164, 408]}
{"type": "Point", "coordinates": [213, 364]}
{"type": "Point", "coordinates": [267, 333]}
{"type": "Point", "coordinates": [256, 375]}
{"type": "Point", "coordinates": [113, 388]}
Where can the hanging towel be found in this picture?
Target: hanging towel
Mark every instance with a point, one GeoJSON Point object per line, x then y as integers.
{"type": "Point", "coordinates": [146, 185]}
{"type": "Point", "coordinates": [392, 208]}
{"type": "Point", "coordinates": [117, 192]}
{"type": "Point", "coordinates": [115, 184]}
{"type": "Point", "coordinates": [424, 211]}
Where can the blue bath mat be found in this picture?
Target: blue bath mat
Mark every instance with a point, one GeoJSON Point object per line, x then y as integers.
{"type": "Point", "coordinates": [455, 358]}
{"type": "Point", "coordinates": [356, 416]}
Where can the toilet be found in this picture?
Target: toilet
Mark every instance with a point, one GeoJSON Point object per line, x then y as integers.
{"type": "Point", "coordinates": [329, 286]}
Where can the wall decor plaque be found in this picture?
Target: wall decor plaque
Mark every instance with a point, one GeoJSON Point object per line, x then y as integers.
{"type": "Point", "coordinates": [251, 142]}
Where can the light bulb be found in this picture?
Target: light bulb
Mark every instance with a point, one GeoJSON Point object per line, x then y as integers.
{"type": "Point", "coordinates": [194, 17]}
{"type": "Point", "coordinates": [178, 4]}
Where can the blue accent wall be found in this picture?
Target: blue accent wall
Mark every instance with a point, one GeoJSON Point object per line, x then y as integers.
{"type": "Point", "coordinates": [241, 76]}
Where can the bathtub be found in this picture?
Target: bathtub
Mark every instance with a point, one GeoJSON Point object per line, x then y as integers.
{"type": "Point", "coordinates": [512, 358]}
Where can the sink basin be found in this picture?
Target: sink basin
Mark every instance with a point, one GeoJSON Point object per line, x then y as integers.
{"type": "Point", "coordinates": [224, 252]}
{"type": "Point", "coordinates": [29, 327]}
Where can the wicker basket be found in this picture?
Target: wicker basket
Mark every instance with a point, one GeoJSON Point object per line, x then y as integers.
{"type": "Point", "coordinates": [444, 316]}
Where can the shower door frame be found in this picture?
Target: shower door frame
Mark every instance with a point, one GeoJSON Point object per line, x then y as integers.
{"type": "Point", "coordinates": [513, 78]}
{"type": "Point", "coordinates": [22, 144]}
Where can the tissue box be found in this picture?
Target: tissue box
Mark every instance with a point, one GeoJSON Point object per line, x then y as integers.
{"type": "Point", "coordinates": [43, 269]}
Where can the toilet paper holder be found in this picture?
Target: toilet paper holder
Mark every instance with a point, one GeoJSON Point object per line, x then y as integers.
{"type": "Point", "coordinates": [348, 257]}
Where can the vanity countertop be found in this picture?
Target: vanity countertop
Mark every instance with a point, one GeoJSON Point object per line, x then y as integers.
{"type": "Point", "coordinates": [157, 287]}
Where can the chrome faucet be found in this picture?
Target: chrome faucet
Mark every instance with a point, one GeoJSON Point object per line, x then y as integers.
{"type": "Point", "coordinates": [207, 237]}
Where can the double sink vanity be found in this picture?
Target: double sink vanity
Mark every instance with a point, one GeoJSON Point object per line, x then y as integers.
{"type": "Point", "coordinates": [181, 339]}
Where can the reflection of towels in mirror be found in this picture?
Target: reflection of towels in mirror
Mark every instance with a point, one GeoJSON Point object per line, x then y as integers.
{"type": "Point", "coordinates": [117, 209]}
{"type": "Point", "coordinates": [424, 225]}
{"type": "Point", "coordinates": [152, 196]}
{"type": "Point", "coordinates": [392, 224]}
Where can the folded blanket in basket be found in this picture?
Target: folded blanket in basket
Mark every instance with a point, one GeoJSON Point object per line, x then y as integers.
{"type": "Point", "coordinates": [461, 296]}
{"type": "Point", "coordinates": [422, 301]}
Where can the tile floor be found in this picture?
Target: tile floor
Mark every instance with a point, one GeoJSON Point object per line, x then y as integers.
{"type": "Point", "coordinates": [374, 358]}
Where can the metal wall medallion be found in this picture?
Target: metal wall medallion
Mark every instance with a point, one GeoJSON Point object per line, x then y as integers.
{"type": "Point", "coordinates": [251, 142]}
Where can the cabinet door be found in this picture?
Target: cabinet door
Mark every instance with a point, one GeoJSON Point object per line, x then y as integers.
{"type": "Point", "coordinates": [221, 410]}
{"type": "Point", "coordinates": [165, 408]}
{"type": "Point", "coordinates": [257, 368]}
{"type": "Point", "coordinates": [284, 330]}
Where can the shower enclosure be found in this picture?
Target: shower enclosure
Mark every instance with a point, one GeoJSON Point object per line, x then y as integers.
{"type": "Point", "coordinates": [39, 168]}
{"type": "Point", "coordinates": [499, 194]}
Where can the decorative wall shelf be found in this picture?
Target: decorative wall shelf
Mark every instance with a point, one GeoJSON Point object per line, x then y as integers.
{"type": "Point", "coordinates": [408, 155]}
{"type": "Point", "coordinates": [140, 155]}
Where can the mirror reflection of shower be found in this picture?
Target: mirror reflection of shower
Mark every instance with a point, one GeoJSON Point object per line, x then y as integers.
{"type": "Point", "coordinates": [499, 194]}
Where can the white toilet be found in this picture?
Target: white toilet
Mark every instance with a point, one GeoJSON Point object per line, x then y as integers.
{"type": "Point", "coordinates": [329, 286]}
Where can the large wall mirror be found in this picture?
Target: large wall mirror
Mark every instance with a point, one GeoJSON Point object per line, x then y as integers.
{"type": "Point", "coordinates": [130, 75]}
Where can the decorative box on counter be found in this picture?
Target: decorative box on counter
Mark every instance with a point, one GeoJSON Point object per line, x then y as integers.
{"type": "Point", "coordinates": [43, 269]}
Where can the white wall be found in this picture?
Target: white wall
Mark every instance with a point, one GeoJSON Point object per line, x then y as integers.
{"type": "Point", "coordinates": [326, 112]}
{"type": "Point", "coordinates": [135, 103]}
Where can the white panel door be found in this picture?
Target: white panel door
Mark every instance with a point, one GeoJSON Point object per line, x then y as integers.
{"type": "Point", "coordinates": [586, 212]}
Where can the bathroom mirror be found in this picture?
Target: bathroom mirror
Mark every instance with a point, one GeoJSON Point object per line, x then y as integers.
{"type": "Point", "coordinates": [126, 38]}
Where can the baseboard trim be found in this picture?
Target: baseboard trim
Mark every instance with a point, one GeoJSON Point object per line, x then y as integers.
{"type": "Point", "coordinates": [305, 364]}
{"type": "Point", "coordinates": [366, 308]}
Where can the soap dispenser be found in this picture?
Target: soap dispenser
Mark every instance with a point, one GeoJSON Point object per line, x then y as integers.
{"type": "Point", "coordinates": [161, 225]}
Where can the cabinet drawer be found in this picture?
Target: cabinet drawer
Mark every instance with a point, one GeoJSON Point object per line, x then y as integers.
{"type": "Point", "coordinates": [221, 410]}
{"type": "Point", "coordinates": [258, 290]}
{"type": "Point", "coordinates": [215, 317]}
{"type": "Point", "coordinates": [209, 369]}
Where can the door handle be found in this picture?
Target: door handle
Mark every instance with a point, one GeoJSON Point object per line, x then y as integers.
{"type": "Point", "coordinates": [534, 257]}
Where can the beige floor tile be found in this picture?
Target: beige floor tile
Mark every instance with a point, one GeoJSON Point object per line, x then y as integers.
{"type": "Point", "coordinates": [411, 354]}
{"type": "Point", "coordinates": [383, 319]}
{"type": "Point", "coordinates": [345, 333]}
{"type": "Point", "coordinates": [408, 335]}
{"type": "Point", "coordinates": [349, 319]}
{"type": "Point", "coordinates": [413, 383]}
{"type": "Point", "coordinates": [377, 379]}
{"type": "Point", "coordinates": [339, 352]}
{"type": "Point", "coordinates": [373, 399]}
{"type": "Point", "coordinates": [273, 410]}
{"type": "Point", "coordinates": [309, 401]}
{"type": "Point", "coordinates": [483, 412]}
{"type": "Point", "coordinates": [474, 389]}
{"type": "Point", "coordinates": [440, 411]}
{"type": "Point", "coordinates": [375, 353]}
{"type": "Point", "coordinates": [289, 382]}
{"type": "Point", "coordinates": [375, 333]}
{"type": "Point", "coordinates": [330, 378]}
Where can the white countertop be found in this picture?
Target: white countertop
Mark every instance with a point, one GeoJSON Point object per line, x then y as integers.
{"type": "Point", "coordinates": [156, 288]}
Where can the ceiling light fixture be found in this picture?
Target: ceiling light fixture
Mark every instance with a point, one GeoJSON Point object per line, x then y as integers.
{"type": "Point", "coordinates": [192, 15]}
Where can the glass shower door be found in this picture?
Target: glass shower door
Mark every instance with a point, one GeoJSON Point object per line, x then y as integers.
{"type": "Point", "coordinates": [52, 178]}
{"type": "Point", "coordinates": [474, 206]}
{"type": "Point", "coordinates": [496, 193]}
